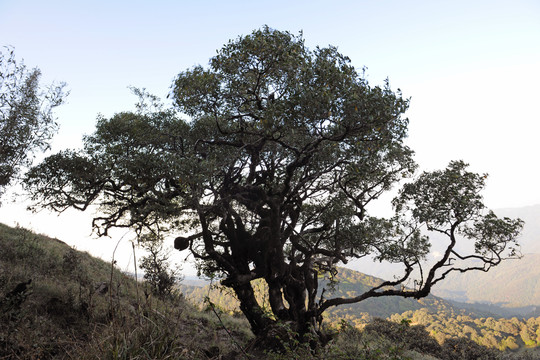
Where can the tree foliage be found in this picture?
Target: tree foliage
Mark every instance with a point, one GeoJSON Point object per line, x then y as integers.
{"type": "Point", "coordinates": [26, 115]}
{"type": "Point", "coordinates": [500, 333]}
{"type": "Point", "coordinates": [270, 160]}
{"type": "Point", "coordinates": [158, 272]}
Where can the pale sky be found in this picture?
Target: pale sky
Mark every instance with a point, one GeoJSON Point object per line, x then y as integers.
{"type": "Point", "coordinates": [471, 68]}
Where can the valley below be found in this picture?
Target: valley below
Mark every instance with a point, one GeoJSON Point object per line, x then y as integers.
{"type": "Point", "coordinates": [499, 308]}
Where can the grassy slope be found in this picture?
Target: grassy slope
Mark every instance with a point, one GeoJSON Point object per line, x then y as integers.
{"type": "Point", "coordinates": [66, 313]}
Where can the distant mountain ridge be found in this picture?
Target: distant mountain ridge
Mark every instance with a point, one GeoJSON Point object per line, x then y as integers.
{"type": "Point", "coordinates": [514, 284]}
{"type": "Point", "coordinates": [512, 288]}
{"type": "Point", "coordinates": [350, 283]}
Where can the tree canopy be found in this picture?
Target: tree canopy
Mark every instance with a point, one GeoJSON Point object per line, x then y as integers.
{"type": "Point", "coordinates": [265, 169]}
{"type": "Point", "coordinates": [26, 115]}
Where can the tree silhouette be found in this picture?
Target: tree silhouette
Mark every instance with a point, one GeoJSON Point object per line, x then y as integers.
{"type": "Point", "coordinates": [266, 168]}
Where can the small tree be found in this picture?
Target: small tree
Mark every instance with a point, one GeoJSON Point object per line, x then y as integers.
{"type": "Point", "coordinates": [157, 268]}
{"type": "Point", "coordinates": [26, 115]}
{"type": "Point", "coordinates": [272, 172]}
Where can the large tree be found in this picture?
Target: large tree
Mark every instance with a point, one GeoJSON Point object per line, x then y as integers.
{"type": "Point", "coordinates": [266, 169]}
{"type": "Point", "coordinates": [26, 115]}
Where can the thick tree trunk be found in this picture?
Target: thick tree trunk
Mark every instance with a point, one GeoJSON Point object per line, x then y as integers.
{"type": "Point", "coordinates": [275, 298]}
{"type": "Point", "coordinates": [258, 321]}
{"type": "Point", "coordinates": [299, 320]}
{"type": "Point", "coordinates": [295, 293]}
{"type": "Point", "coordinates": [290, 288]}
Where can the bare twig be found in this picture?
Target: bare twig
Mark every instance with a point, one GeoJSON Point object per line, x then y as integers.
{"type": "Point", "coordinates": [136, 283]}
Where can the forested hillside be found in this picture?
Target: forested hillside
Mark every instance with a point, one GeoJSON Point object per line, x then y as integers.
{"type": "Point", "coordinates": [442, 319]}
{"type": "Point", "coordinates": [499, 333]}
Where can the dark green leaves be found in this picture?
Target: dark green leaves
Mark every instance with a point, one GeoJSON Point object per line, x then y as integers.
{"type": "Point", "coordinates": [449, 202]}
{"type": "Point", "coordinates": [64, 180]}
{"type": "Point", "coordinates": [26, 115]}
{"type": "Point", "coordinates": [493, 235]}
{"type": "Point", "coordinates": [443, 198]}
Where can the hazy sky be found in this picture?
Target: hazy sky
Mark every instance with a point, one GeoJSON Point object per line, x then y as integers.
{"type": "Point", "coordinates": [471, 68]}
